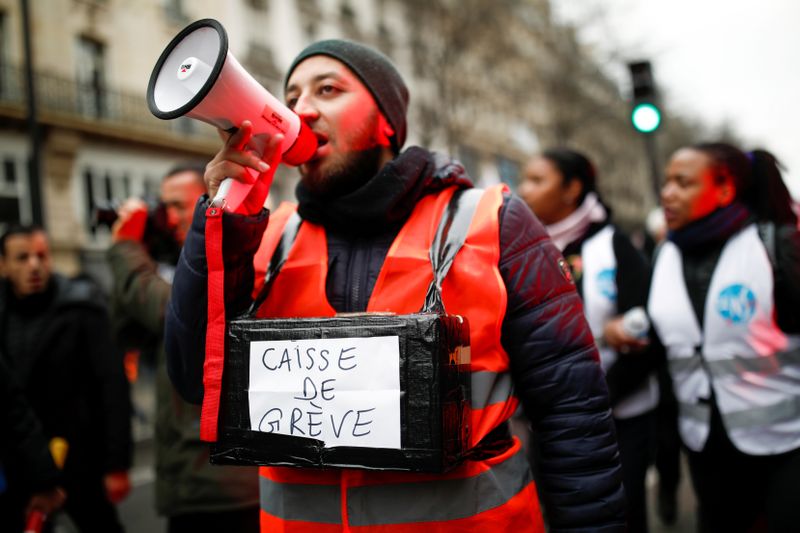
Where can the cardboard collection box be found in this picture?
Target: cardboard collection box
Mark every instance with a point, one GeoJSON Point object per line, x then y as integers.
{"type": "Point", "coordinates": [386, 392]}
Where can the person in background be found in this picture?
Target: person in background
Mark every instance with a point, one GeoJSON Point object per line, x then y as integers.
{"type": "Point", "coordinates": [366, 208]}
{"type": "Point", "coordinates": [29, 479]}
{"type": "Point", "coordinates": [668, 449]}
{"type": "Point", "coordinates": [560, 186]}
{"type": "Point", "coordinates": [55, 336]}
{"type": "Point", "coordinates": [195, 496]}
{"type": "Point", "coordinates": [723, 301]}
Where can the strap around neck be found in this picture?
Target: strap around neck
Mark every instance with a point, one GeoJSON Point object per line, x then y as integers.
{"type": "Point", "coordinates": [288, 236]}
{"type": "Point", "coordinates": [450, 237]}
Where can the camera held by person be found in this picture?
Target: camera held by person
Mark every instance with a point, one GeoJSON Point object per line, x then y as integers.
{"type": "Point", "coordinates": [149, 224]}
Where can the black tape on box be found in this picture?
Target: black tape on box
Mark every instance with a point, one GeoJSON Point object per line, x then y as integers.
{"type": "Point", "coordinates": [434, 384]}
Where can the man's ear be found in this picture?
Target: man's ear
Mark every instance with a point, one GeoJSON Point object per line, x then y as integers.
{"type": "Point", "coordinates": [385, 132]}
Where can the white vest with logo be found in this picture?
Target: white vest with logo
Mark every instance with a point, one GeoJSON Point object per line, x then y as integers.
{"type": "Point", "coordinates": [599, 286]}
{"type": "Point", "coordinates": [752, 366]}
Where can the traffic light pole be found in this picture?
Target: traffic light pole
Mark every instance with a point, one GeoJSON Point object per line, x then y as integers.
{"type": "Point", "coordinates": [651, 151]}
{"type": "Point", "coordinates": [646, 117]}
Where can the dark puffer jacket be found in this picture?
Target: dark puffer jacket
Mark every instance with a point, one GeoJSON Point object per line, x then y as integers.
{"type": "Point", "coordinates": [25, 460]}
{"type": "Point", "coordinates": [59, 346]}
{"type": "Point", "coordinates": [553, 357]}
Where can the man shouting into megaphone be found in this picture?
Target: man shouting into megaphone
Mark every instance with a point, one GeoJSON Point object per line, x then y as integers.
{"type": "Point", "coordinates": [368, 211]}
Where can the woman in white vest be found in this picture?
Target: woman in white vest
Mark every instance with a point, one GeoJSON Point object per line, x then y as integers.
{"type": "Point", "coordinates": [724, 302]}
{"type": "Point", "coordinates": [611, 276]}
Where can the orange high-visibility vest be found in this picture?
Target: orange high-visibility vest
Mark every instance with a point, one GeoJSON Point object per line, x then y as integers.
{"type": "Point", "coordinates": [494, 494]}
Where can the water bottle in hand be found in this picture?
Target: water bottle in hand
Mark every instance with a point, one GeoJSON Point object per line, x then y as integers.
{"type": "Point", "coordinates": [635, 323]}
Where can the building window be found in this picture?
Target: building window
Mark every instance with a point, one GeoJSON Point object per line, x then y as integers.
{"type": "Point", "coordinates": [152, 187]}
{"type": "Point", "coordinates": [9, 172]}
{"type": "Point", "coordinates": [419, 53]}
{"type": "Point", "coordinates": [347, 16]}
{"type": "Point", "coordinates": [260, 5]}
{"type": "Point", "coordinates": [260, 63]}
{"type": "Point", "coordinates": [13, 198]}
{"type": "Point", "coordinates": [175, 11]}
{"type": "Point", "coordinates": [508, 170]}
{"type": "Point", "coordinates": [184, 125]}
{"type": "Point", "coordinates": [385, 39]}
{"type": "Point", "coordinates": [9, 210]}
{"type": "Point", "coordinates": [5, 69]}
{"type": "Point", "coordinates": [101, 201]}
{"type": "Point", "coordinates": [311, 15]}
{"type": "Point", "coordinates": [91, 78]}
{"type": "Point", "coordinates": [471, 161]}
{"type": "Point", "coordinates": [106, 189]}
{"type": "Point", "coordinates": [3, 37]}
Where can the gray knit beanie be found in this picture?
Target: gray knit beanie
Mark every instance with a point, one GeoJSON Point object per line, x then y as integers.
{"type": "Point", "coordinates": [377, 73]}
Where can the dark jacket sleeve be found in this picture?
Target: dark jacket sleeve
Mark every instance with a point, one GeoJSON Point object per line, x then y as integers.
{"type": "Point", "coordinates": [559, 380]}
{"type": "Point", "coordinates": [23, 446]}
{"type": "Point", "coordinates": [185, 324]}
{"type": "Point", "coordinates": [114, 394]}
{"type": "Point", "coordinates": [787, 278]}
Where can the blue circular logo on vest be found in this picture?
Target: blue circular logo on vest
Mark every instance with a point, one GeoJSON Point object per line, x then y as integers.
{"type": "Point", "coordinates": [607, 283]}
{"type": "Point", "coordinates": [736, 303]}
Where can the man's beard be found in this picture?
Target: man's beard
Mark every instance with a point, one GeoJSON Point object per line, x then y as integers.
{"type": "Point", "coordinates": [356, 169]}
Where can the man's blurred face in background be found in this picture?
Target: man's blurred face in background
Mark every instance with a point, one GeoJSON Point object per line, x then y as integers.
{"type": "Point", "coordinates": [179, 194]}
{"type": "Point", "coordinates": [26, 263]}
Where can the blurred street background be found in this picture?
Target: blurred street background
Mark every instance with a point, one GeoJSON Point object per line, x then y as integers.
{"type": "Point", "coordinates": [494, 81]}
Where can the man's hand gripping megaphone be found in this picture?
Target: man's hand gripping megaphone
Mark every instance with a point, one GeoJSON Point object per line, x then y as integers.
{"type": "Point", "coordinates": [240, 174]}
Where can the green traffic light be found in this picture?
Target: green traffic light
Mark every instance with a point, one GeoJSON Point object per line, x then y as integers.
{"type": "Point", "coordinates": [646, 118]}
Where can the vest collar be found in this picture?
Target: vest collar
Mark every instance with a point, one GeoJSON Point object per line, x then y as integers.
{"type": "Point", "coordinates": [388, 198]}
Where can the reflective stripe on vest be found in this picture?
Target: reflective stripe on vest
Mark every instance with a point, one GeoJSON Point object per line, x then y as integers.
{"type": "Point", "coordinates": [753, 367]}
{"type": "Point", "coordinates": [427, 500]}
{"type": "Point", "coordinates": [490, 388]}
{"type": "Point", "coordinates": [293, 501]}
{"type": "Point", "coordinates": [599, 290]}
{"type": "Point", "coordinates": [787, 410]}
{"type": "Point", "coordinates": [473, 288]}
{"type": "Point", "coordinates": [765, 364]}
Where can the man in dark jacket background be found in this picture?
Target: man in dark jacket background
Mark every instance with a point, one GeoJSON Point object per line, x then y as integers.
{"type": "Point", "coordinates": [55, 335]}
{"type": "Point", "coordinates": [361, 189]}
{"type": "Point", "coordinates": [29, 479]}
{"type": "Point", "coordinates": [194, 495]}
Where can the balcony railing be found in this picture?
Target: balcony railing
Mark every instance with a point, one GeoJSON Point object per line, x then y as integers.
{"type": "Point", "coordinates": [93, 104]}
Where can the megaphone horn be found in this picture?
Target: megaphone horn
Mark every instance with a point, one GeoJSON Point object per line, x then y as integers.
{"type": "Point", "coordinates": [196, 76]}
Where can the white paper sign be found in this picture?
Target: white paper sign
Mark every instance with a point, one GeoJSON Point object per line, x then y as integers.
{"type": "Point", "coordinates": [345, 392]}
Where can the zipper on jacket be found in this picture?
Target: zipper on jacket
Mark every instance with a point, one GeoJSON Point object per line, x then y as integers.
{"type": "Point", "coordinates": [357, 273]}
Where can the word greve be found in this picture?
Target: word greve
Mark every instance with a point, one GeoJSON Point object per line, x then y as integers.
{"type": "Point", "coordinates": [342, 391]}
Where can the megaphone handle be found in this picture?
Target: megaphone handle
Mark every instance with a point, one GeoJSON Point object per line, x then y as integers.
{"type": "Point", "coordinates": [231, 193]}
{"type": "Point", "coordinates": [222, 192]}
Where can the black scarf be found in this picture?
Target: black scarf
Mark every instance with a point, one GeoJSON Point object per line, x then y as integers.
{"type": "Point", "coordinates": [714, 228]}
{"type": "Point", "coordinates": [387, 198]}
